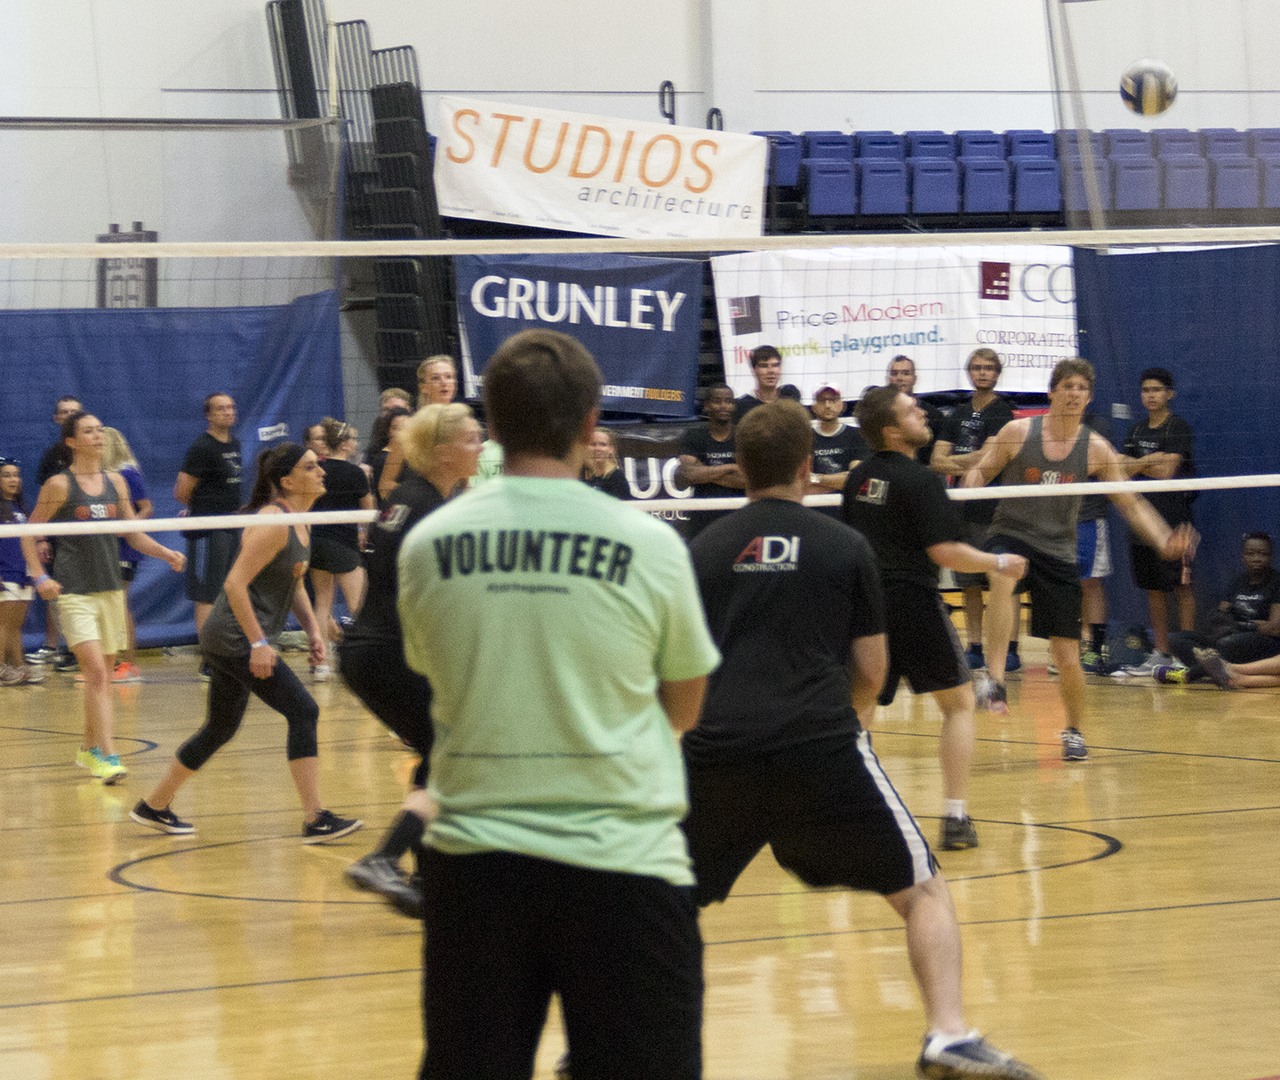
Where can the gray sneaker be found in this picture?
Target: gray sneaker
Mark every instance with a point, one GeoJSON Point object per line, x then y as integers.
{"type": "Point", "coordinates": [958, 834]}
{"type": "Point", "coordinates": [969, 1057]}
{"type": "Point", "coordinates": [1149, 664]}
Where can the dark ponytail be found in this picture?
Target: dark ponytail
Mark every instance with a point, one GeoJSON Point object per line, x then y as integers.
{"type": "Point", "coordinates": [274, 464]}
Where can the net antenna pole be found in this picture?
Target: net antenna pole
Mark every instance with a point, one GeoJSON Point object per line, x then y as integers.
{"type": "Point", "coordinates": [337, 137]}
{"type": "Point", "coordinates": [1084, 141]}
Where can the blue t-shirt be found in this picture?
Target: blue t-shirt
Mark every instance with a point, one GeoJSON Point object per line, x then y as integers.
{"type": "Point", "coordinates": [137, 493]}
{"type": "Point", "coordinates": [13, 567]}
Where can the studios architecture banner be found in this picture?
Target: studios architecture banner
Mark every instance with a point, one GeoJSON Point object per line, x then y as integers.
{"type": "Point", "coordinates": [841, 315]}
{"type": "Point", "coordinates": [596, 174]}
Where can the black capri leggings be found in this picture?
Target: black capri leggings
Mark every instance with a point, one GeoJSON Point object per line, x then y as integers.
{"type": "Point", "coordinates": [395, 694]}
{"type": "Point", "coordinates": [230, 684]}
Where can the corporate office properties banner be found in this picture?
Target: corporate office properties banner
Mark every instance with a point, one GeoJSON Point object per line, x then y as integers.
{"type": "Point", "coordinates": [596, 174]}
{"type": "Point", "coordinates": [640, 318]}
{"type": "Point", "coordinates": [841, 315]}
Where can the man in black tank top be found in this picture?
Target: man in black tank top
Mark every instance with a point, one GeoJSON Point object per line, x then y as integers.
{"type": "Point", "coordinates": [1052, 450]}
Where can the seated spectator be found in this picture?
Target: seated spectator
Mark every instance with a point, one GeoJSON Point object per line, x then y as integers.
{"type": "Point", "coordinates": [1246, 625]}
{"type": "Point", "coordinates": [601, 470]}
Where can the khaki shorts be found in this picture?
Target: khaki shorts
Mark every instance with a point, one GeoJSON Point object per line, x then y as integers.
{"type": "Point", "coordinates": [94, 617]}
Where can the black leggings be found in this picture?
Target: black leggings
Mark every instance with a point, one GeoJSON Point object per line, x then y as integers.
{"type": "Point", "coordinates": [401, 698]}
{"type": "Point", "coordinates": [230, 684]}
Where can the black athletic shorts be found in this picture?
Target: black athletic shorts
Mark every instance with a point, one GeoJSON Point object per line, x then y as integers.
{"type": "Point", "coordinates": [332, 555]}
{"type": "Point", "coordinates": [503, 932]}
{"type": "Point", "coordinates": [1053, 585]}
{"type": "Point", "coordinates": [377, 674]}
{"type": "Point", "coordinates": [1152, 573]}
{"type": "Point", "coordinates": [923, 644]}
{"type": "Point", "coordinates": [209, 557]}
{"type": "Point", "coordinates": [974, 534]}
{"type": "Point", "coordinates": [826, 809]}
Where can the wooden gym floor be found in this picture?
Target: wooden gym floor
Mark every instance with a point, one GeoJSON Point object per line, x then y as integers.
{"type": "Point", "coordinates": [1121, 918]}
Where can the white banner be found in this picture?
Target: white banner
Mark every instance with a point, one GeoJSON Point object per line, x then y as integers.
{"type": "Point", "coordinates": [596, 174]}
{"type": "Point", "coordinates": [841, 315]}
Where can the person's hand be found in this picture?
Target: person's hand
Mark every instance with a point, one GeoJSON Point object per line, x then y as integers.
{"type": "Point", "coordinates": [1181, 544]}
{"type": "Point", "coordinates": [176, 560]}
{"type": "Point", "coordinates": [47, 588]}
{"type": "Point", "coordinates": [44, 551]}
{"type": "Point", "coordinates": [1015, 566]}
{"type": "Point", "coordinates": [317, 648]}
{"type": "Point", "coordinates": [262, 661]}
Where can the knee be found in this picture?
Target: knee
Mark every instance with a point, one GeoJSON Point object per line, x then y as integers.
{"type": "Point", "coordinates": [302, 730]}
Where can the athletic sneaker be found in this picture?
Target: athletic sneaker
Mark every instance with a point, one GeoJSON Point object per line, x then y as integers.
{"type": "Point", "coordinates": [990, 695]}
{"type": "Point", "coordinates": [379, 874]}
{"type": "Point", "coordinates": [10, 676]}
{"type": "Point", "coordinates": [328, 826]}
{"type": "Point", "coordinates": [1153, 660]}
{"type": "Point", "coordinates": [1073, 747]}
{"type": "Point", "coordinates": [66, 663]}
{"type": "Point", "coordinates": [107, 767]}
{"type": "Point", "coordinates": [33, 674]}
{"type": "Point", "coordinates": [967, 1057]}
{"type": "Point", "coordinates": [1093, 662]}
{"type": "Point", "coordinates": [1051, 669]}
{"type": "Point", "coordinates": [42, 655]}
{"type": "Point", "coordinates": [958, 834]}
{"type": "Point", "coordinates": [165, 820]}
{"type": "Point", "coordinates": [126, 673]}
{"type": "Point", "coordinates": [322, 672]}
{"type": "Point", "coordinates": [84, 758]}
{"type": "Point", "coordinates": [1012, 662]}
{"type": "Point", "coordinates": [1170, 675]}
{"type": "Point", "coordinates": [1215, 667]}
{"type": "Point", "coordinates": [974, 658]}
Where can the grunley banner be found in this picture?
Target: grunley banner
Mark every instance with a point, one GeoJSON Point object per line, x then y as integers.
{"type": "Point", "coordinates": [596, 174]}
{"type": "Point", "coordinates": [841, 315]}
{"type": "Point", "coordinates": [640, 318]}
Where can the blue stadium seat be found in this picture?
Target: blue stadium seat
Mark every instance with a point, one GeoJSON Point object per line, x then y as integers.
{"type": "Point", "coordinates": [828, 145]}
{"type": "Point", "coordinates": [1270, 167]}
{"type": "Point", "coordinates": [1029, 143]}
{"type": "Point", "coordinates": [881, 145]}
{"type": "Point", "coordinates": [1175, 141]}
{"type": "Point", "coordinates": [930, 144]}
{"type": "Point", "coordinates": [1136, 183]}
{"type": "Point", "coordinates": [1073, 183]}
{"type": "Point", "coordinates": [985, 186]}
{"type": "Point", "coordinates": [883, 186]}
{"type": "Point", "coordinates": [1186, 182]}
{"type": "Point", "coordinates": [785, 154]}
{"type": "Point", "coordinates": [1264, 142]}
{"type": "Point", "coordinates": [1127, 142]}
{"type": "Point", "coordinates": [1220, 142]}
{"type": "Point", "coordinates": [935, 185]}
{"type": "Point", "coordinates": [830, 186]}
{"type": "Point", "coordinates": [1235, 183]}
{"type": "Point", "coordinates": [979, 144]}
{"type": "Point", "coordinates": [1037, 185]}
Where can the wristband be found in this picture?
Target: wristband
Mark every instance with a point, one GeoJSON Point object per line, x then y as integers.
{"type": "Point", "coordinates": [42, 579]}
{"type": "Point", "coordinates": [259, 643]}
{"type": "Point", "coordinates": [1000, 563]}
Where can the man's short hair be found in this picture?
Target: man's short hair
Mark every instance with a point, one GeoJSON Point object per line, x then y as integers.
{"type": "Point", "coordinates": [539, 388]}
{"type": "Point", "coordinates": [900, 358]}
{"type": "Point", "coordinates": [1074, 366]}
{"type": "Point", "coordinates": [772, 441]}
{"type": "Point", "coordinates": [1161, 375]}
{"type": "Point", "coordinates": [64, 399]}
{"type": "Point", "coordinates": [761, 353]}
{"type": "Point", "coordinates": [208, 402]}
{"type": "Point", "coordinates": [1264, 537]}
{"type": "Point", "coordinates": [984, 354]}
{"type": "Point", "coordinates": [876, 411]}
{"type": "Point", "coordinates": [392, 393]}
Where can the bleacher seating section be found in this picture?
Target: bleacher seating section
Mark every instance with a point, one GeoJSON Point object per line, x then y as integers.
{"type": "Point", "coordinates": [834, 180]}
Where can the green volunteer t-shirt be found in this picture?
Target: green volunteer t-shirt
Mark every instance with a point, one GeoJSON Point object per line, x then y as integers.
{"type": "Point", "coordinates": [545, 613]}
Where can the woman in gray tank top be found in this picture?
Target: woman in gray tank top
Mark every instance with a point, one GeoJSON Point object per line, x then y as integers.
{"type": "Point", "coordinates": [261, 588]}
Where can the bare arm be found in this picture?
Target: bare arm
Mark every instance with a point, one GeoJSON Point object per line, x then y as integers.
{"type": "Point", "coordinates": [955, 555]}
{"type": "Point", "coordinates": [143, 542]}
{"type": "Point", "coordinates": [996, 453]}
{"type": "Point", "coordinates": [868, 666]}
{"type": "Point", "coordinates": [824, 482]}
{"type": "Point", "coordinates": [52, 495]}
{"type": "Point", "coordinates": [307, 620]}
{"type": "Point", "coordinates": [184, 487]}
{"type": "Point", "coordinates": [391, 470]}
{"type": "Point", "coordinates": [682, 701]}
{"type": "Point", "coordinates": [692, 471]}
{"type": "Point", "coordinates": [1272, 625]}
{"type": "Point", "coordinates": [949, 464]}
{"type": "Point", "coordinates": [258, 546]}
{"type": "Point", "coordinates": [1141, 516]}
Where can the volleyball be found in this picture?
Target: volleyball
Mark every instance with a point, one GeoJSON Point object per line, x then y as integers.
{"type": "Point", "coordinates": [1148, 87]}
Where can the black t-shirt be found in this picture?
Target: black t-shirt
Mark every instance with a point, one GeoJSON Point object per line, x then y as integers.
{"type": "Point", "coordinates": [835, 453]}
{"type": "Point", "coordinates": [615, 484]}
{"type": "Point", "coordinates": [345, 484]}
{"type": "Point", "coordinates": [697, 442]}
{"type": "Point", "coordinates": [1171, 437]}
{"type": "Point", "coordinates": [902, 509]}
{"type": "Point", "coordinates": [743, 405]}
{"type": "Point", "coordinates": [1093, 507]}
{"type": "Point", "coordinates": [412, 500]}
{"type": "Point", "coordinates": [967, 429]}
{"type": "Point", "coordinates": [56, 458]}
{"type": "Point", "coordinates": [216, 467]}
{"type": "Point", "coordinates": [786, 591]}
{"type": "Point", "coordinates": [1251, 602]}
{"type": "Point", "coordinates": [937, 419]}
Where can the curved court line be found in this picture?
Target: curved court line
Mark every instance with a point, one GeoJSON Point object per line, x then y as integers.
{"type": "Point", "coordinates": [145, 746]}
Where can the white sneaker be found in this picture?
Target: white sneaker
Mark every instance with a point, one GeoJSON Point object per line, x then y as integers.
{"type": "Point", "coordinates": [1148, 666]}
{"type": "Point", "coordinates": [322, 673]}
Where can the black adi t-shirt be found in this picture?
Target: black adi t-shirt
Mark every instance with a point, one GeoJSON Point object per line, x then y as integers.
{"type": "Point", "coordinates": [786, 592]}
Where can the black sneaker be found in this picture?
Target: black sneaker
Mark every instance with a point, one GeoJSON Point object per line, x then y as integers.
{"type": "Point", "coordinates": [379, 874]}
{"type": "Point", "coordinates": [958, 834]}
{"type": "Point", "coordinates": [328, 826]}
{"type": "Point", "coordinates": [165, 820]}
{"type": "Point", "coordinates": [66, 664]}
{"type": "Point", "coordinates": [969, 1057]}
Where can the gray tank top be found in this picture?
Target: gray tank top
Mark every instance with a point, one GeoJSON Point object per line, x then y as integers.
{"type": "Point", "coordinates": [90, 563]}
{"type": "Point", "coordinates": [1048, 525]}
{"type": "Point", "coordinates": [271, 594]}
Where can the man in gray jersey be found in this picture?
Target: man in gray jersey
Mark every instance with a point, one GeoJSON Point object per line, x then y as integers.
{"type": "Point", "coordinates": [1051, 450]}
